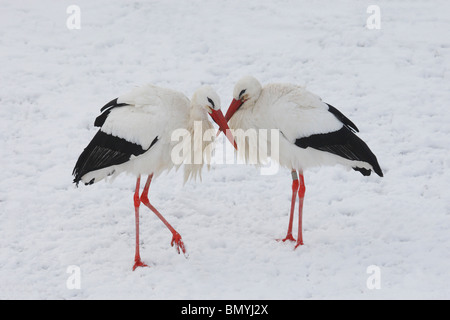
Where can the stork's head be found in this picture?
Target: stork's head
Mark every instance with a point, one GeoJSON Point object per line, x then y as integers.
{"type": "Point", "coordinates": [246, 91]}
{"type": "Point", "coordinates": [207, 99]}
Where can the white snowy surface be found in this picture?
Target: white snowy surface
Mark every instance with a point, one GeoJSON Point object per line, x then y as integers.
{"type": "Point", "coordinates": [394, 83]}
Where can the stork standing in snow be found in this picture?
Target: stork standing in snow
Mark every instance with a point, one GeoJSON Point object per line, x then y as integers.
{"type": "Point", "coordinates": [135, 137]}
{"type": "Point", "coordinates": [312, 133]}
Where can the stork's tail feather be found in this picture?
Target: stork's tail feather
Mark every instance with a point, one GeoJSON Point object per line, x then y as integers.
{"type": "Point", "coordinates": [78, 171]}
{"type": "Point", "coordinates": [87, 168]}
{"type": "Point", "coordinates": [346, 144]}
{"type": "Point", "coordinates": [363, 153]}
{"type": "Point", "coordinates": [104, 152]}
{"type": "Point", "coordinates": [367, 172]}
{"type": "Point", "coordinates": [93, 176]}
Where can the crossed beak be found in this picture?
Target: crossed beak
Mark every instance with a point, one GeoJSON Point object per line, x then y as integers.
{"type": "Point", "coordinates": [218, 118]}
{"type": "Point", "coordinates": [234, 106]}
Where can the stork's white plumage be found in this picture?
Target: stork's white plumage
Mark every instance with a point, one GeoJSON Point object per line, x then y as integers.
{"type": "Point", "coordinates": [135, 137]}
{"type": "Point", "coordinates": [312, 132]}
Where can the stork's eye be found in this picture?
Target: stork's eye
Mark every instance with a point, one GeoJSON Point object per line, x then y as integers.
{"type": "Point", "coordinates": [242, 92]}
{"type": "Point", "coordinates": [212, 102]}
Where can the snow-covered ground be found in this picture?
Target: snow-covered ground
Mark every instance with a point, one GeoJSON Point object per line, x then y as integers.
{"type": "Point", "coordinates": [394, 83]}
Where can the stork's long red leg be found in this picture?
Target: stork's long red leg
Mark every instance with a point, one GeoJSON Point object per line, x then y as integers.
{"type": "Point", "coordinates": [301, 196]}
{"type": "Point", "coordinates": [137, 257]}
{"type": "Point", "coordinates": [294, 197]}
{"type": "Point", "coordinates": [176, 238]}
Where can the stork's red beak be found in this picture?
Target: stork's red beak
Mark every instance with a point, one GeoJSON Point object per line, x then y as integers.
{"type": "Point", "coordinates": [234, 106]}
{"type": "Point", "coordinates": [218, 117]}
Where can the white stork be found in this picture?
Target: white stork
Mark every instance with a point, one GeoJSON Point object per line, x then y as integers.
{"type": "Point", "coordinates": [135, 137]}
{"type": "Point", "coordinates": [312, 133]}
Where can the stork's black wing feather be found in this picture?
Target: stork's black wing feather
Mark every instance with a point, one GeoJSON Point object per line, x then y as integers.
{"type": "Point", "coordinates": [346, 121]}
{"type": "Point", "coordinates": [343, 143]}
{"type": "Point", "coordinates": [105, 110]}
{"type": "Point", "coordinates": [103, 151]}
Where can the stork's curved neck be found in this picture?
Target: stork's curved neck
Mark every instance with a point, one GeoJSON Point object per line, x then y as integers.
{"type": "Point", "coordinates": [242, 119]}
{"type": "Point", "coordinates": [197, 114]}
{"type": "Point", "coordinates": [198, 126]}
{"type": "Point", "coordinates": [249, 104]}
